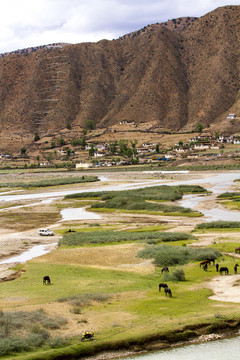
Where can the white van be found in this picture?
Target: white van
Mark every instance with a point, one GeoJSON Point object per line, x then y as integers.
{"type": "Point", "coordinates": [45, 232]}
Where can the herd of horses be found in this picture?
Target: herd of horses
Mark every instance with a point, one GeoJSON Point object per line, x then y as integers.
{"type": "Point", "coordinates": [204, 264]}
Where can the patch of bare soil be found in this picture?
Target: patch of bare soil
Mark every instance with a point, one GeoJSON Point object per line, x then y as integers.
{"type": "Point", "coordinates": [225, 288]}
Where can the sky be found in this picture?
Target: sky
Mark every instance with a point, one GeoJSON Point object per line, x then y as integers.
{"type": "Point", "coordinates": [26, 23]}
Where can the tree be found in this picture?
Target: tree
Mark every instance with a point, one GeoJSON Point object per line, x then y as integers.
{"type": "Point", "coordinates": [199, 127]}
{"type": "Point", "coordinates": [92, 150]}
{"type": "Point", "coordinates": [157, 148]}
{"type": "Point", "coordinates": [113, 147]}
{"type": "Point", "coordinates": [61, 142]}
{"type": "Point", "coordinates": [90, 124]}
{"type": "Point", "coordinates": [122, 146]}
{"type": "Point", "coordinates": [134, 143]}
{"type": "Point", "coordinates": [23, 151]}
{"type": "Point", "coordinates": [36, 137]}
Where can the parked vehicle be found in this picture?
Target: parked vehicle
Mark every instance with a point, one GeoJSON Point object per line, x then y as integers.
{"type": "Point", "coordinates": [45, 232]}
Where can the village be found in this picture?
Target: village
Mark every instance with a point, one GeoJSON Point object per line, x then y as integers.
{"type": "Point", "coordinates": [124, 145]}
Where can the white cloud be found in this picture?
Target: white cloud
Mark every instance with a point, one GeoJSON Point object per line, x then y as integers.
{"type": "Point", "coordinates": [28, 23]}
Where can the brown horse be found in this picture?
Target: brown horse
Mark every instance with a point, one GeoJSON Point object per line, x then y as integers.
{"type": "Point", "coordinates": [237, 250]}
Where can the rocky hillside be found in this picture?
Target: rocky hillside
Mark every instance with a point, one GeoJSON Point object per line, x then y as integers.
{"type": "Point", "coordinates": [169, 79]}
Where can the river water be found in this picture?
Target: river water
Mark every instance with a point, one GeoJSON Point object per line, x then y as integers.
{"type": "Point", "coordinates": [214, 350]}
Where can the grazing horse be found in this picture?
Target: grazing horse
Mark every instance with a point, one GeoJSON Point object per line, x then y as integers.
{"type": "Point", "coordinates": [211, 259]}
{"type": "Point", "coordinates": [237, 250]}
{"type": "Point", "coordinates": [168, 292]}
{"type": "Point", "coordinates": [205, 262]}
{"type": "Point", "coordinates": [162, 285]}
{"type": "Point", "coordinates": [46, 280]}
{"type": "Point", "coordinates": [165, 268]}
{"type": "Point", "coordinates": [235, 268]}
{"type": "Point", "coordinates": [223, 269]}
{"type": "Point", "coordinates": [205, 267]}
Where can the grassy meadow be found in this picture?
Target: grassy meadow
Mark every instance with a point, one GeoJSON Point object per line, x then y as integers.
{"type": "Point", "coordinates": [105, 289]}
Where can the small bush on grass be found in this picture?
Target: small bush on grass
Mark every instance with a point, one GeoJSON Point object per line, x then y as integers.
{"type": "Point", "coordinates": [176, 275]}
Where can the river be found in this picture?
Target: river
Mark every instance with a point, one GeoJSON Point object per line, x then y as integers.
{"type": "Point", "coordinates": [214, 350]}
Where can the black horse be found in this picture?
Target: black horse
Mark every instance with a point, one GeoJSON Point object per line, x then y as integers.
{"type": "Point", "coordinates": [46, 280]}
{"type": "Point", "coordinates": [235, 268]}
{"type": "Point", "coordinates": [223, 269]}
{"type": "Point", "coordinates": [168, 292]}
{"type": "Point", "coordinates": [205, 267]}
{"type": "Point", "coordinates": [162, 285]}
{"type": "Point", "coordinates": [205, 262]}
{"type": "Point", "coordinates": [165, 268]}
{"type": "Point", "coordinates": [211, 259]}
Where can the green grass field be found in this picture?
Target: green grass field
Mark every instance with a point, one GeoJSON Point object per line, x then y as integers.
{"type": "Point", "coordinates": [120, 306]}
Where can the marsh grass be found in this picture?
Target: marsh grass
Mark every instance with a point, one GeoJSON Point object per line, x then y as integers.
{"type": "Point", "coordinates": [147, 212]}
{"type": "Point", "coordinates": [103, 236]}
{"type": "Point", "coordinates": [229, 195]}
{"type": "Point", "coordinates": [164, 192]}
{"type": "Point", "coordinates": [147, 199]}
{"type": "Point", "coordinates": [219, 225]}
{"type": "Point", "coordinates": [50, 182]}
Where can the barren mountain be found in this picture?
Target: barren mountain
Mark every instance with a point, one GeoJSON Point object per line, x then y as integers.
{"type": "Point", "coordinates": [169, 77]}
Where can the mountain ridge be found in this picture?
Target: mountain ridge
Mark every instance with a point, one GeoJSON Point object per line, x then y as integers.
{"type": "Point", "coordinates": [170, 79]}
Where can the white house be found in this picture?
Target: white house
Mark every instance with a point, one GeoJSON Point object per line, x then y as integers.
{"type": "Point", "coordinates": [201, 146]}
{"type": "Point", "coordinates": [83, 165]}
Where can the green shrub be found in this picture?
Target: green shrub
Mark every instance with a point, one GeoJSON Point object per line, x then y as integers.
{"type": "Point", "coordinates": [219, 225]}
{"type": "Point", "coordinates": [106, 236]}
{"type": "Point", "coordinates": [24, 331]}
{"type": "Point", "coordinates": [58, 341]}
{"type": "Point", "coordinates": [164, 255]}
{"type": "Point", "coordinates": [229, 195]}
